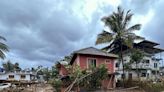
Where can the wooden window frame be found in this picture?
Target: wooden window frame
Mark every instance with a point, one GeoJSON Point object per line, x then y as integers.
{"type": "Point", "coordinates": [110, 61]}
{"type": "Point", "coordinates": [88, 62]}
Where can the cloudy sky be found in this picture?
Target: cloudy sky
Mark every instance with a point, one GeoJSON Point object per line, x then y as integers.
{"type": "Point", "coordinates": [39, 32]}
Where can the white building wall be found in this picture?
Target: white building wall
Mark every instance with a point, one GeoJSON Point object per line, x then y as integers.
{"type": "Point", "coordinates": [17, 77]}
{"type": "Point", "coordinates": [3, 77]}
{"type": "Point", "coordinates": [148, 66]}
{"type": "Point", "coordinates": [28, 78]}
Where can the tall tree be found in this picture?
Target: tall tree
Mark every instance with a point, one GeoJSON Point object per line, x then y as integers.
{"type": "Point", "coordinates": [3, 47]}
{"type": "Point", "coordinates": [136, 58]}
{"type": "Point", "coordinates": [16, 67]}
{"type": "Point", "coordinates": [54, 72]}
{"type": "Point", "coordinates": [119, 33]}
{"type": "Point", "coordinates": [8, 66]}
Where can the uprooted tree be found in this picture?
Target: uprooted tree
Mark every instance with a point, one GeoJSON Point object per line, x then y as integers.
{"type": "Point", "coordinates": [83, 79]}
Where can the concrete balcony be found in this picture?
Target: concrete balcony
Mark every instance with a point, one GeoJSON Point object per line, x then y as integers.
{"type": "Point", "coordinates": [156, 59]}
{"type": "Point", "coordinates": [142, 66]}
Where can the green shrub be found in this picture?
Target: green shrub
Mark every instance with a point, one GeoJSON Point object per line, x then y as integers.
{"type": "Point", "coordinates": [152, 87]}
{"type": "Point", "coordinates": [147, 86]}
{"type": "Point", "coordinates": [93, 81]}
{"type": "Point", "coordinates": [56, 83]}
{"type": "Point", "coordinates": [90, 82]}
{"type": "Point", "coordinates": [128, 83]}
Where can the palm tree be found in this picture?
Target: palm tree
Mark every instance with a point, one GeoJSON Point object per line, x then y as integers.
{"type": "Point", "coordinates": [8, 66]}
{"type": "Point", "coordinates": [119, 33]}
{"type": "Point", "coordinates": [3, 47]}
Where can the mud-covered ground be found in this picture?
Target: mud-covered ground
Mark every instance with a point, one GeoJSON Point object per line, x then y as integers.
{"type": "Point", "coordinates": [49, 88]}
{"type": "Point", "coordinates": [120, 91]}
{"type": "Point", "coordinates": [32, 88]}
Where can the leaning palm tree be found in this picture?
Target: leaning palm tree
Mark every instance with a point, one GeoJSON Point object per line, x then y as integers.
{"type": "Point", "coordinates": [119, 33]}
{"type": "Point", "coordinates": [3, 47]}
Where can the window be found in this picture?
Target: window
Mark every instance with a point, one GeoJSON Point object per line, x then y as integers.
{"type": "Point", "coordinates": [143, 75]}
{"type": "Point", "coordinates": [11, 76]}
{"type": "Point", "coordinates": [123, 76]}
{"type": "Point", "coordinates": [23, 76]}
{"type": "Point", "coordinates": [117, 64]}
{"type": "Point", "coordinates": [107, 61]}
{"type": "Point", "coordinates": [91, 62]}
{"type": "Point", "coordinates": [153, 72]}
{"type": "Point", "coordinates": [147, 61]}
{"type": "Point", "coordinates": [155, 65]}
{"type": "Point", "coordinates": [147, 75]}
{"type": "Point", "coordinates": [130, 75]}
{"type": "Point", "coordinates": [124, 60]}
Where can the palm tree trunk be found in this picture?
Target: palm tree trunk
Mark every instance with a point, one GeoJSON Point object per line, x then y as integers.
{"type": "Point", "coordinates": [122, 61]}
{"type": "Point", "coordinates": [137, 70]}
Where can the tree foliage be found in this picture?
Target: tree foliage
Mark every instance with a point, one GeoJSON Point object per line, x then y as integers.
{"type": "Point", "coordinates": [9, 67]}
{"type": "Point", "coordinates": [16, 67]}
{"type": "Point", "coordinates": [136, 57]}
{"type": "Point", "coordinates": [120, 33]}
{"type": "Point", "coordinates": [94, 79]}
{"type": "Point", "coordinates": [3, 47]}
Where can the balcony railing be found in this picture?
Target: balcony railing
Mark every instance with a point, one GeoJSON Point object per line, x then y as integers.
{"type": "Point", "coordinates": [142, 66]}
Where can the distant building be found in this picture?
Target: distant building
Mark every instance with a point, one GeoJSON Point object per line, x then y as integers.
{"type": "Point", "coordinates": [17, 76]}
{"type": "Point", "coordinates": [87, 57]}
{"type": "Point", "coordinates": [149, 66]}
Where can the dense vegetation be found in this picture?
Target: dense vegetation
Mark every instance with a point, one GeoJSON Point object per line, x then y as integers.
{"type": "Point", "coordinates": [9, 66]}
{"type": "Point", "coordinates": [86, 80]}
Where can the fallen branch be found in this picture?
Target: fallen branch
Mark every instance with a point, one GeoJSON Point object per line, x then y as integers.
{"type": "Point", "coordinates": [76, 80]}
{"type": "Point", "coordinates": [130, 88]}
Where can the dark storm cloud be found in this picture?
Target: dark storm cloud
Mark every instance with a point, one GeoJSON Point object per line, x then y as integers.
{"type": "Point", "coordinates": [22, 12]}
{"type": "Point", "coordinates": [37, 31]}
{"type": "Point", "coordinates": [40, 31]}
{"type": "Point", "coordinates": [139, 6]}
{"type": "Point", "coordinates": [154, 29]}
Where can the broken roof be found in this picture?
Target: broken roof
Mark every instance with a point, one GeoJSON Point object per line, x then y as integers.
{"type": "Point", "coordinates": [145, 45]}
{"type": "Point", "coordinates": [149, 46]}
{"type": "Point", "coordinates": [148, 43]}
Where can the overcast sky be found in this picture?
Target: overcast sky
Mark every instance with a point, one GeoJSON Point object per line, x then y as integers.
{"type": "Point", "coordinates": [39, 32]}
